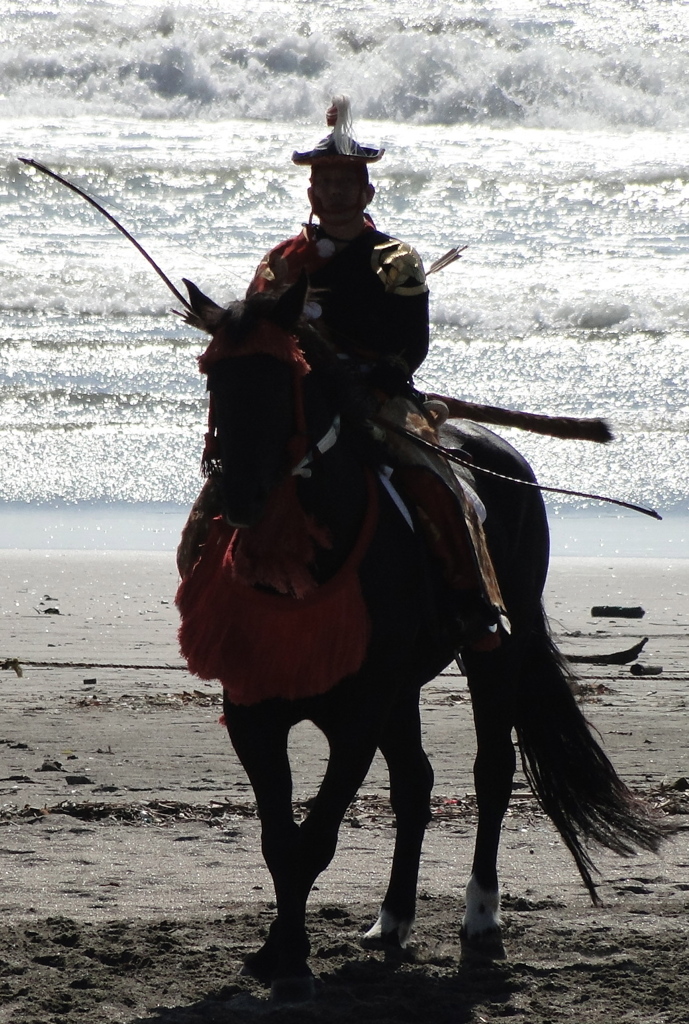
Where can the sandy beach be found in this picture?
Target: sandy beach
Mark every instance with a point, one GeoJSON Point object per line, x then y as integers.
{"type": "Point", "coordinates": [133, 882]}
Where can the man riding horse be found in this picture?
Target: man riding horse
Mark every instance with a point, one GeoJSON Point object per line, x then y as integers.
{"type": "Point", "coordinates": [368, 297]}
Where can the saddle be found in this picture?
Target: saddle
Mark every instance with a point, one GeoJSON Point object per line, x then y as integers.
{"type": "Point", "coordinates": [451, 516]}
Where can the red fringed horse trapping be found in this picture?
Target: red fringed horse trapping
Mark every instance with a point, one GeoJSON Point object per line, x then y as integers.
{"type": "Point", "coordinates": [261, 644]}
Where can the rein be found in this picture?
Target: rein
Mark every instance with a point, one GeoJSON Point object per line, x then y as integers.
{"type": "Point", "coordinates": [452, 456]}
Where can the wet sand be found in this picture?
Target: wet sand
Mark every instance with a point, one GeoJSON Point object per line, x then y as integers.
{"type": "Point", "coordinates": [122, 801]}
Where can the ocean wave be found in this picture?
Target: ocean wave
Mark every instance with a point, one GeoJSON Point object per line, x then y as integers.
{"type": "Point", "coordinates": [564, 67]}
{"type": "Point", "coordinates": [524, 311]}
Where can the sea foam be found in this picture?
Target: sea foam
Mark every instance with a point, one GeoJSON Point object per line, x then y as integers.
{"type": "Point", "coordinates": [563, 66]}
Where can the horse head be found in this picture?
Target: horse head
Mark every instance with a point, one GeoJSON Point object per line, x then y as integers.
{"type": "Point", "coordinates": [254, 366]}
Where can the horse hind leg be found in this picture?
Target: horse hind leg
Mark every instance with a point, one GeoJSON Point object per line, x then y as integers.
{"type": "Point", "coordinates": [411, 782]}
{"type": "Point", "coordinates": [494, 766]}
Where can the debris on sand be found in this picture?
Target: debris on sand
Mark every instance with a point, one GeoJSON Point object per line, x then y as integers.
{"type": "Point", "coordinates": [615, 611]}
{"type": "Point", "coordinates": [615, 658]}
{"type": "Point", "coordinates": [645, 670]}
{"type": "Point", "coordinates": [14, 664]}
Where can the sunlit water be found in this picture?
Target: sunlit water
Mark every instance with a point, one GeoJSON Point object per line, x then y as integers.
{"type": "Point", "coordinates": [553, 139]}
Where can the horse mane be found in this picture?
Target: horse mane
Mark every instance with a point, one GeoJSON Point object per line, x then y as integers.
{"type": "Point", "coordinates": [346, 391]}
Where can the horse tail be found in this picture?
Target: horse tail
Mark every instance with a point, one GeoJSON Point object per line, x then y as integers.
{"type": "Point", "coordinates": [569, 773]}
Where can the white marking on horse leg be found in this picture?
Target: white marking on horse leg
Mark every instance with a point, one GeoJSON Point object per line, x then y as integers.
{"type": "Point", "coordinates": [389, 930]}
{"type": "Point", "coordinates": [482, 911]}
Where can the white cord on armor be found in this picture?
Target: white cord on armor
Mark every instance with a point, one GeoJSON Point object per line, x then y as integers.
{"type": "Point", "coordinates": [328, 440]}
{"type": "Point", "coordinates": [384, 473]}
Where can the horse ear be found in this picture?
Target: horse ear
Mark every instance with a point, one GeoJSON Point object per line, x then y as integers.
{"type": "Point", "coordinates": [290, 306]}
{"type": "Point", "coordinates": [204, 313]}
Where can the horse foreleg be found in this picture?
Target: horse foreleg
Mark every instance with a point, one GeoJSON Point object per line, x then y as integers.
{"type": "Point", "coordinates": [352, 748]}
{"type": "Point", "coordinates": [296, 868]}
{"type": "Point", "coordinates": [260, 741]}
{"type": "Point", "coordinates": [296, 855]}
{"type": "Point", "coordinates": [494, 766]}
{"type": "Point", "coordinates": [411, 782]}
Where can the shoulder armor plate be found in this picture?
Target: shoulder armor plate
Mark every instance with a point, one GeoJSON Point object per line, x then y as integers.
{"type": "Point", "coordinates": [399, 267]}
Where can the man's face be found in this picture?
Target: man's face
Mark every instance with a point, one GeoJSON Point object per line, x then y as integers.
{"type": "Point", "coordinates": [338, 193]}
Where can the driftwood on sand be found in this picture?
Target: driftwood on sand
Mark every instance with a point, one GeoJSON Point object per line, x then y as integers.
{"type": "Point", "coordinates": [615, 658]}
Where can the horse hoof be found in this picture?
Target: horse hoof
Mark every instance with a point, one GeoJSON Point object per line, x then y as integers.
{"type": "Point", "coordinates": [387, 941]}
{"type": "Point", "coordinates": [388, 932]}
{"type": "Point", "coordinates": [299, 989]}
{"type": "Point", "coordinates": [486, 945]}
{"type": "Point", "coordinates": [260, 965]}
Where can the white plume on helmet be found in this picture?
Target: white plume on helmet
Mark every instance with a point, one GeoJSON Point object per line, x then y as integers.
{"type": "Point", "coordinates": [339, 118]}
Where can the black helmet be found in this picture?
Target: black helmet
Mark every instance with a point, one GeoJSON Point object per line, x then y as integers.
{"type": "Point", "coordinates": [339, 145]}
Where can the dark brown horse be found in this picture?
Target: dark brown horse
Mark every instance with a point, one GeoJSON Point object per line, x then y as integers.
{"type": "Point", "coordinates": [294, 447]}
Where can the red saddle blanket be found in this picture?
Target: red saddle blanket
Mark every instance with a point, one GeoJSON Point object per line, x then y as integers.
{"type": "Point", "coordinates": [262, 645]}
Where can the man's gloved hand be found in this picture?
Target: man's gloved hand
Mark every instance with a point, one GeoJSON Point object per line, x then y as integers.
{"type": "Point", "coordinates": [391, 375]}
